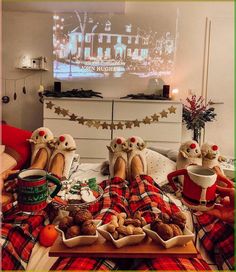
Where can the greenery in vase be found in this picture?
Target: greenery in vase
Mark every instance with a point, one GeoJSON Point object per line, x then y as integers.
{"type": "Point", "coordinates": [196, 113]}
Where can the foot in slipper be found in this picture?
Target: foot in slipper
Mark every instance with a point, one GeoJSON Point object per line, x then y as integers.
{"type": "Point", "coordinates": [137, 163]}
{"type": "Point", "coordinates": [41, 139]}
{"type": "Point", "coordinates": [62, 156]}
{"type": "Point", "coordinates": [117, 154]}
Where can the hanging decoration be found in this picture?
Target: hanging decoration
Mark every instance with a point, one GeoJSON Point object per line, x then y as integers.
{"type": "Point", "coordinates": [147, 120]}
{"type": "Point", "coordinates": [24, 88]}
{"type": "Point", "coordinates": [6, 98]}
{"type": "Point", "coordinates": [15, 95]}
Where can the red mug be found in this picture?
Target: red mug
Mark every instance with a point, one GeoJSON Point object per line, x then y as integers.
{"type": "Point", "coordinates": [33, 189]}
{"type": "Point", "coordinates": [199, 186]}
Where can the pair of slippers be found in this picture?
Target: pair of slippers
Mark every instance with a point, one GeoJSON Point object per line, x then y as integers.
{"type": "Point", "coordinates": [42, 138]}
{"type": "Point", "coordinates": [126, 149]}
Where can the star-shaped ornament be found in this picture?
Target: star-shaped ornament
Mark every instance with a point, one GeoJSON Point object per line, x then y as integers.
{"type": "Point", "coordinates": [64, 112]}
{"type": "Point", "coordinates": [49, 105]}
{"type": "Point", "coordinates": [81, 120]}
{"type": "Point", "coordinates": [155, 117]}
{"type": "Point", "coordinates": [112, 126]}
{"type": "Point", "coordinates": [172, 109]}
{"type": "Point", "coordinates": [73, 117]}
{"type": "Point", "coordinates": [119, 125]}
{"type": "Point", "coordinates": [97, 124]}
{"type": "Point", "coordinates": [136, 123]}
{"type": "Point", "coordinates": [128, 124]}
{"type": "Point", "coordinates": [147, 120]}
{"type": "Point", "coordinates": [163, 114]}
{"type": "Point", "coordinates": [58, 110]}
{"type": "Point", "coordinates": [89, 123]}
{"type": "Point", "coordinates": [104, 125]}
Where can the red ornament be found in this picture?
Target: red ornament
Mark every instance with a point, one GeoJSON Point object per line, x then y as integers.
{"type": "Point", "coordinates": [62, 138]}
{"type": "Point", "coordinates": [41, 133]}
{"type": "Point", "coordinates": [132, 140]}
{"type": "Point", "coordinates": [214, 147]}
{"type": "Point", "coordinates": [118, 141]}
{"type": "Point", "coordinates": [192, 146]}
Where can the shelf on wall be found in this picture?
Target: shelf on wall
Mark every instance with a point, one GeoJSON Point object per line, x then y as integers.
{"type": "Point", "coordinates": [32, 69]}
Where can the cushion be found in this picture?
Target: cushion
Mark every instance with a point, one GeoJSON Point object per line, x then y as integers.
{"type": "Point", "coordinates": [16, 144]}
{"type": "Point", "coordinates": [169, 153]}
{"type": "Point", "coordinates": [159, 166]}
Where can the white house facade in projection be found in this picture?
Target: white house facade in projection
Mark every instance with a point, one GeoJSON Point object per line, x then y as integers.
{"type": "Point", "coordinates": [86, 46]}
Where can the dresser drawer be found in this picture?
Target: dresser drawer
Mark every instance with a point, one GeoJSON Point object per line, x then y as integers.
{"type": "Point", "coordinates": [101, 110]}
{"type": "Point", "coordinates": [129, 110]}
{"type": "Point", "coordinates": [159, 132]}
{"type": "Point", "coordinates": [62, 126]}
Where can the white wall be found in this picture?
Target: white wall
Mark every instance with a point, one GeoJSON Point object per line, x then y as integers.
{"type": "Point", "coordinates": [31, 34]}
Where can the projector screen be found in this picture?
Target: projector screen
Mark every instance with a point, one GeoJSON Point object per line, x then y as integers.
{"type": "Point", "coordinates": [112, 46]}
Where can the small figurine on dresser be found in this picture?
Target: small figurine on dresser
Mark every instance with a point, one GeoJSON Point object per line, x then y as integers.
{"type": "Point", "coordinates": [189, 153]}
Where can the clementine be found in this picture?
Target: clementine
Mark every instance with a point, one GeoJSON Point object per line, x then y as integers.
{"type": "Point", "coordinates": [48, 235]}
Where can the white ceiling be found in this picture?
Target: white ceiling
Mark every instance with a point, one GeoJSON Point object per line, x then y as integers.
{"type": "Point", "coordinates": [64, 6]}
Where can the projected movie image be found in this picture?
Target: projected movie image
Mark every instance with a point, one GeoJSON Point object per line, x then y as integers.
{"type": "Point", "coordinates": [102, 46]}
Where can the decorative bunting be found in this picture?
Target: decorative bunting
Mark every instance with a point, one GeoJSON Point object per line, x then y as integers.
{"type": "Point", "coordinates": [49, 105]}
{"type": "Point", "coordinates": [155, 117]}
{"type": "Point", "coordinates": [73, 117]}
{"type": "Point", "coordinates": [57, 110]}
{"type": "Point", "coordinates": [104, 125]}
{"type": "Point", "coordinates": [163, 114]}
{"type": "Point", "coordinates": [147, 120]}
{"type": "Point", "coordinates": [172, 109]}
{"type": "Point", "coordinates": [136, 123]}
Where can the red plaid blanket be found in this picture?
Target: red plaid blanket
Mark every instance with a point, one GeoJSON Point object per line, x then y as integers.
{"type": "Point", "coordinates": [20, 231]}
{"type": "Point", "coordinates": [142, 195]}
{"type": "Point", "coordinates": [217, 238]}
{"type": "Point", "coordinates": [19, 234]}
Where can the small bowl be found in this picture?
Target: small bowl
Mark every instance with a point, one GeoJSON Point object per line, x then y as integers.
{"type": "Point", "coordinates": [178, 240]}
{"type": "Point", "coordinates": [80, 240]}
{"type": "Point", "coordinates": [125, 241]}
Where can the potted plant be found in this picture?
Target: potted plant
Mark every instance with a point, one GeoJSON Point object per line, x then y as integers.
{"type": "Point", "coordinates": [196, 112]}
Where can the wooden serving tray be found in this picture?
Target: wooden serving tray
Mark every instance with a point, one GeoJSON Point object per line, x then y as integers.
{"type": "Point", "coordinates": [103, 248]}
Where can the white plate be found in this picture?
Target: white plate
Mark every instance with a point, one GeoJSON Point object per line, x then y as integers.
{"type": "Point", "coordinates": [125, 241]}
{"type": "Point", "coordinates": [80, 240]}
{"type": "Point", "coordinates": [179, 240]}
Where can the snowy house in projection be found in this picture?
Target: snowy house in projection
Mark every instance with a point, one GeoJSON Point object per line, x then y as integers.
{"type": "Point", "coordinates": [107, 41]}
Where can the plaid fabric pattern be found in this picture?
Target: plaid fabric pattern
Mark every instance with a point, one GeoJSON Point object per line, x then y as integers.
{"type": "Point", "coordinates": [173, 264]}
{"type": "Point", "coordinates": [19, 234]}
{"type": "Point", "coordinates": [217, 237]}
{"type": "Point", "coordinates": [147, 198]}
{"type": "Point", "coordinates": [87, 264]}
{"type": "Point", "coordinates": [114, 200]}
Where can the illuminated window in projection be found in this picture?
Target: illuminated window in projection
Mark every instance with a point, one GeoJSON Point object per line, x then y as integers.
{"type": "Point", "coordinates": [104, 45]}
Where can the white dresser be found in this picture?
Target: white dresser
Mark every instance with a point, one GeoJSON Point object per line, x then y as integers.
{"type": "Point", "coordinates": [95, 132]}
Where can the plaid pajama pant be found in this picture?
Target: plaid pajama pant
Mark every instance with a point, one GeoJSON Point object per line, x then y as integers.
{"type": "Point", "coordinates": [120, 196]}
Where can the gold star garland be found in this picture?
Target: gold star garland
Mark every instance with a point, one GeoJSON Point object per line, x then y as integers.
{"type": "Point", "coordinates": [104, 125]}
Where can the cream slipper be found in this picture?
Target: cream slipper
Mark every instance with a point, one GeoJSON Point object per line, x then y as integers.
{"type": "Point", "coordinates": [41, 138]}
{"type": "Point", "coordinates": [117, 148]}
{"type": "Point", "coordinates": [136, 147]}
{"type": "Point", "coordinates": [66, 146]}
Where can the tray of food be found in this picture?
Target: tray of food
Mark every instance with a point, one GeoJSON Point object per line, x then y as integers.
{"type": "Point", "coordinates": [122, 237]}
{"type": "Point", "coordinates": [78, 194]}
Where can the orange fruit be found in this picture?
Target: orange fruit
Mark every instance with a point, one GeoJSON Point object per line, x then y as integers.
{"type": "Point", "coordinates": [48, 235]}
